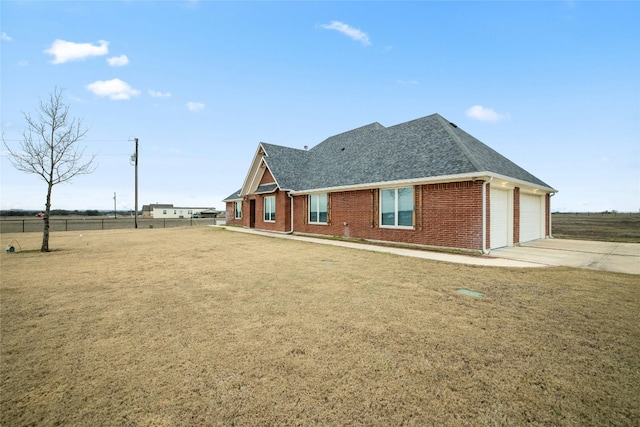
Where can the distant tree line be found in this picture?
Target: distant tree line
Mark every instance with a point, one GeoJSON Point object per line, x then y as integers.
{"type": "Point", "coordinates": [63, 212]}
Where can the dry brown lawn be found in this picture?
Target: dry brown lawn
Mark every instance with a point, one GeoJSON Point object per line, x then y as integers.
{"type": "Point", "coordinates": [200, 327]}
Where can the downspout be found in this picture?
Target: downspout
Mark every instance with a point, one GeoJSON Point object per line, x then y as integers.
{"type": "Point", "coordinates": [484, 216]}
{"type": "Point", "coordinates": [291, 200]}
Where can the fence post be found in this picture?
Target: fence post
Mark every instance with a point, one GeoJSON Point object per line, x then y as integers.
{"type": "Point", "coordinates": [66, 225]}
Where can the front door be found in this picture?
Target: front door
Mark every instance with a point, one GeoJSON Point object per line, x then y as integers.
{"type": "Point", "coordinates": [252, 213]}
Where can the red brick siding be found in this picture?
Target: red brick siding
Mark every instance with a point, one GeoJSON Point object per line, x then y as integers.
{"type": "Point", "coordinates": [453, 214]}
{"type": "Point", "coordinates": [267, 178]}
{"type": "Point", "coordinates": [448, 215]}
{"type": "Point", "coordinates": [283, 212]}
{"type": "Point", "coordinates": [547, 214]}
{"type": "Point", "coordinates": [230, 213]}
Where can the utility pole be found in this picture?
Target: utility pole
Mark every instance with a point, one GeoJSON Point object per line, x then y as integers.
{"type": "Point", "coordinates": [136, 204]}
{"type": "Point", "coordinates": [115, 211]}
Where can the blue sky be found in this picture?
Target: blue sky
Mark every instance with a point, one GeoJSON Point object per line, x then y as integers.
{"type": "Point", "coordinates": [553, 86]}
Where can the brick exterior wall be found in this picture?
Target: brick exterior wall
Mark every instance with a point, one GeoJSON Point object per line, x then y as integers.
{"type": "Point", "coordinates": [267, 178]}
{"type": "Point", "coordinates": [445, 215]}
{"type": "Point", "coordinates": [283, 212]}
{"type": "Point", "coordinates": [448, 215]}
{"type": "Point", "coordinates": [547, 215]}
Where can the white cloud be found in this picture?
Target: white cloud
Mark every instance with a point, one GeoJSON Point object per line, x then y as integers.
{"type": "Point", "coordinates": [115, 89]}
{"type": "Point", "coordinates": [118, 61]}
{"type": "Point", "coordinates": [484, 114]}
{"type": "Point", "coordinates": [195, 106]}
{"type": "Point", "coordinates": [6, 37]}
{"type": "Point", "coordinates": [191, 4]}
{"type": "Point", "coordinates": [156, 94]}
{"type": "Point", "coordinates": [408, 82]}
{"type": "Point", "coordinates": [65, 51]}
{"type": "Point", "coordinates": [348, 31]}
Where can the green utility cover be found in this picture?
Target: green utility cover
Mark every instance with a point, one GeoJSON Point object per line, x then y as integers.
{"type": "Point", "coordinates": [470, 293]}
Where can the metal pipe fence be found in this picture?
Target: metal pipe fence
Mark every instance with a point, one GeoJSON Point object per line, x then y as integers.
{"type": "Point", "coordinates": [31, 225]}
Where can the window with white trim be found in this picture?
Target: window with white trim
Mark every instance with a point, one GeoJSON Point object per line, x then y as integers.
{"type": "Point", "coordinates": [318, 208]}
{"type": "Point", "coordinates": [238, 210]}
{"type": "Point", "coordinates": [396, 207]}
{"type": "Point", "coordinates": [270, 208]}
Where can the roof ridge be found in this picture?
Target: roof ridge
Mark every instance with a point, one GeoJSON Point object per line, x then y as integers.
{"type": "Point", "coordinates": [282, 146]}
{"type": "Point", "coordinates": [448, 126]}
{"type": "Point", "coordinates": [373, 126]}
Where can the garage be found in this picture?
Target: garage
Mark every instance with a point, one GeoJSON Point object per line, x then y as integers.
{"type": "Point", "coordinates": [531, 217]}
{"type": "Point", "coordinates": [500, 218]}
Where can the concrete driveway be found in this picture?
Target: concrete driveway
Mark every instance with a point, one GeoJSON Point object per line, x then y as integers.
{"type": "Point", "coordinates": [606, 256]}
{"type": "Point", "coordinates": [618, 257]}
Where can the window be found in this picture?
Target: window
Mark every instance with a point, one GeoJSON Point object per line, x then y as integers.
{"type": "Point", "coordinates": [270, 208]}
{"type": "Point", "coordinates": [238, 214]}
{"type": "Point", "coordinates": [174, 212]}
{"type": "Point", "coordinates": [164, 211]}
{"type": "Point", "coordinates": [396, 207]}
{"type": "Point", "coordinates": [318, 208]}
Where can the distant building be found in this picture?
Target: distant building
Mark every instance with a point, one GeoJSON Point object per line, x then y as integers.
{"type": "Point", "coordinates": [160, 210]}
{"type": "Point", "coordinates": [147, 210]}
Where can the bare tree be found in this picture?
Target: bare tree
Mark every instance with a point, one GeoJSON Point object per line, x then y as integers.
{"type": "Point", "coordinates": [49, 149]}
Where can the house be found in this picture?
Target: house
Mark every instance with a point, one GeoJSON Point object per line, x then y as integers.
{"type": "Point", "coordinates": [423, 182]}
{"type": "Point", "coordinates": [160, 210]}
{"type": "Point", "coordinates": [147, 210]}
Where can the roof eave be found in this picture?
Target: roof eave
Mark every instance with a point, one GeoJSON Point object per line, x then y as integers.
{"type": "Point", "coordinates": [471, 176]}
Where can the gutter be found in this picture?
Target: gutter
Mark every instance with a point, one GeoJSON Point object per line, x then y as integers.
{"type": "Point", "coordinates": [469, 176]}
{"type": "Point", "coordinates": [484, 216]}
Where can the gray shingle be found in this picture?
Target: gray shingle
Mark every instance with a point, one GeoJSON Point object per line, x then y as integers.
{"type": "Point", "coordinates": [266, 188]}
{"type": "Point", "coordinates": [423, 148]}
{"type": "Point", "coordinates": [235, 196]}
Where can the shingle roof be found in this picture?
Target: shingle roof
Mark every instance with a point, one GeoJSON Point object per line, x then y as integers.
{"type": "Point", "coordinates": [287, 165]}
{"type": "Point", "coordinates": [266, 188]}
{"type": "Point", "coordinates": [423, 148]}
{"type": "Point", "coordinates": [235, 196]}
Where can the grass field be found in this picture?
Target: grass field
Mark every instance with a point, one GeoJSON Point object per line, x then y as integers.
{"type": "Point", "coordinates": [201, 327]}
{"type": "Point", "coordinates": [620, 227]}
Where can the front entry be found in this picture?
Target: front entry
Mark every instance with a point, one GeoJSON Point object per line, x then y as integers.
{"type": "Point", "coordinates": [252, 213]}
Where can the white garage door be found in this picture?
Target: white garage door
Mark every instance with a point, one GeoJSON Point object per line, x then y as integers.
{"type": "Point", "coordinates": [531, 217]}
{"type": "Point", "coordinates": [499, 222]}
